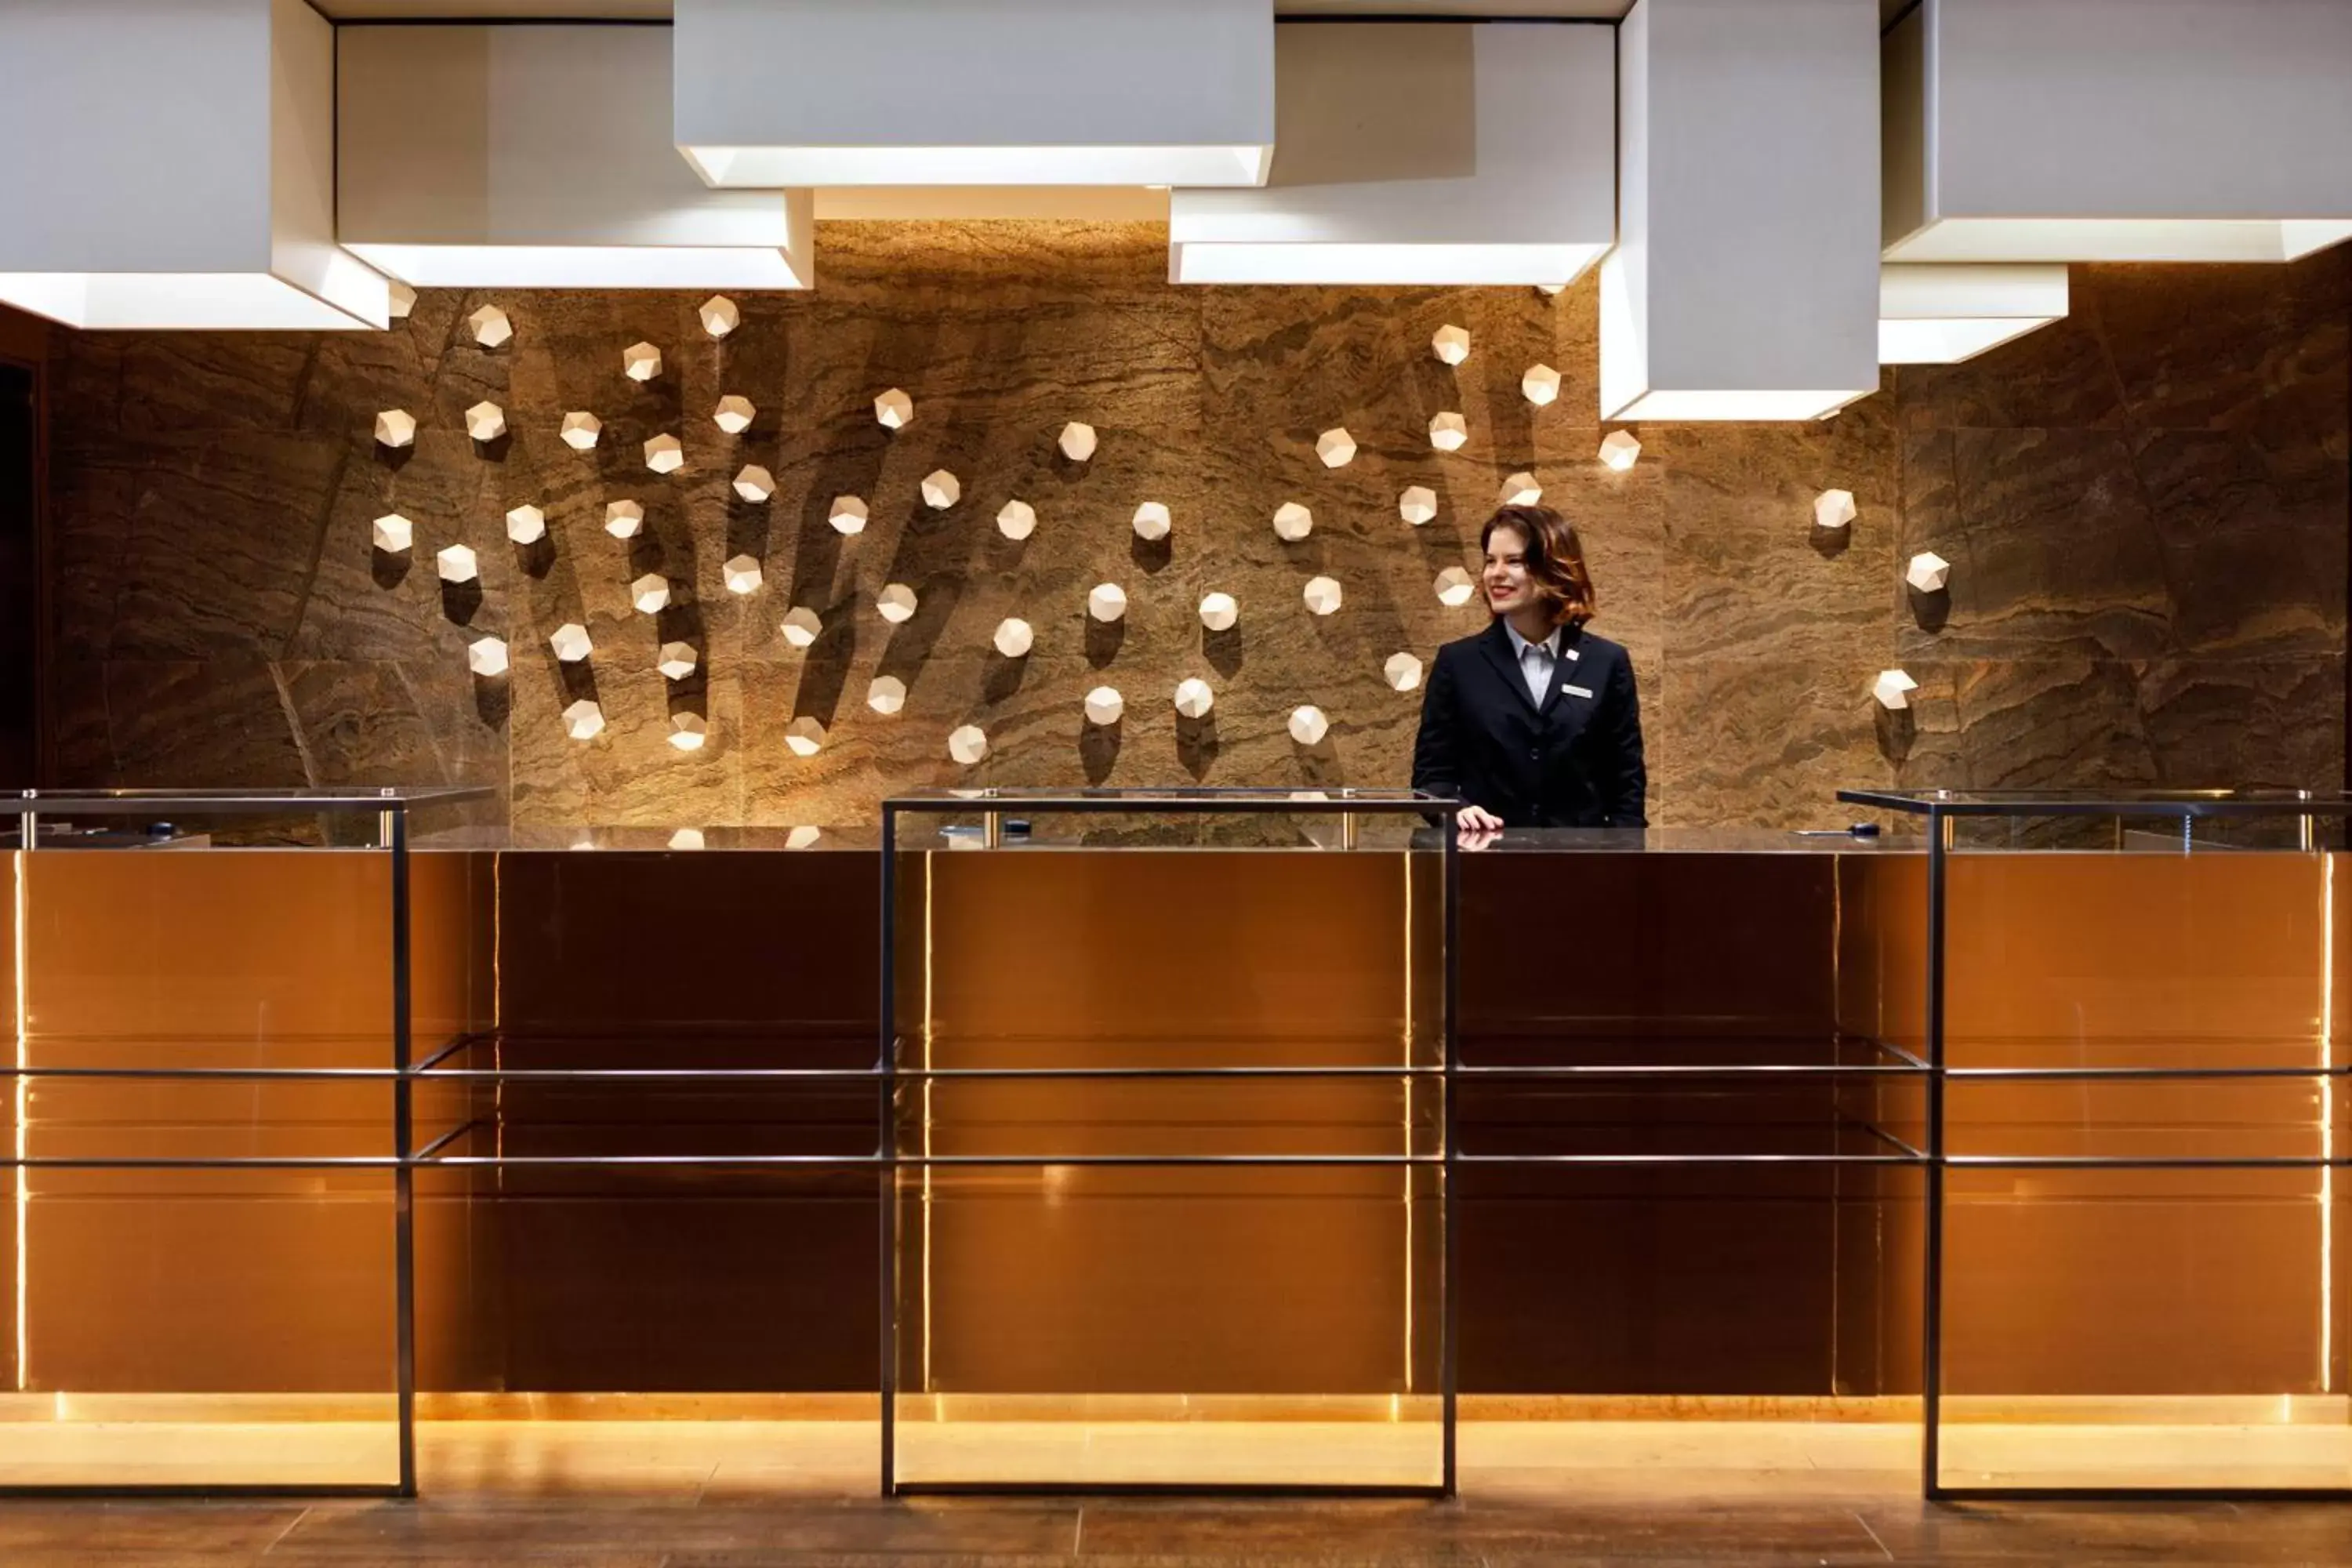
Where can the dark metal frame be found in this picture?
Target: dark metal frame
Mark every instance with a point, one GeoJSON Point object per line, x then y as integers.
{"type": "Point", "coordinates": [1942, 811]}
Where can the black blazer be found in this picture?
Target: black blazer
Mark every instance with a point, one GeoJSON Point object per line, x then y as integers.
{"type": "Point", "coordinates": [1575, 762]}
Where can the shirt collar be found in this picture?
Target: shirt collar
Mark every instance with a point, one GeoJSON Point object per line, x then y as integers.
{"type": "Point", "coordinates": [1520, 645]}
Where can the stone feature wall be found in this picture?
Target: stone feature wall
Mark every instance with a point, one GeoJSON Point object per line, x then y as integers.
{"type": "Point", "coordinates": [2144, 509]}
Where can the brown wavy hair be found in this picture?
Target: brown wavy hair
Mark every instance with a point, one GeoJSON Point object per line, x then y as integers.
{"type": "Point", "coordinates": [1555, 560]}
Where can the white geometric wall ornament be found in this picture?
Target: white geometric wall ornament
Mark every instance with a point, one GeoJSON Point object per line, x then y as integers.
{"type": "Point", "coordinates": [1619, 448]}
{"type": "Point", "coordinates": [665, 454]}
{"type": "Point", "coordinates": [1106, 602]}
{"type": "Point", "coordinates": [486, 422]}
{"type": "Point", "coordinates": [1417, 505]}
{"type": "Point", "coordinates": [800, 625]}
{"type": "Point", "coordinates": [489, 326]}
{"type": "Point", "coordinates": [1336, 448]}
{"type": "Point", "coordinates": [1540, 385]}
{"type": "Point", "coordinates": [650, 594]}
{"type": "Point", "coordinates": [805, 736]}
{"type": "Point", "coordinates": [581, 429]}
{"type": "Point", "coordinates": [526, 524]}
{"type": "Point", "coordinates": [1076, 441]}
{"type": "Point", "coordinates": [677, 660]}
{"type": "Point", "coordinates": [1292, 522]}
{"type": "Point", "coordinates": [571, 642]}
{"type": "Point", "coordinates": [1455, 587]}
{"type": "Point", "coordinates": [755, 483]}
{"type": "Point", "coordinates": [403, 300]}
{"type": "Point", "coordinates": [1928, 571]}
{"type": "Point", "coordinates": [1193, 698]}
{"type": "Point", "coordinates": [1451, 344]}
{"type": "Point", "coordinates": [1833, 509]}
{"type": "Point", "coordinates": [1520, 489]}
{"type": "Point", "coordinates": [624, 519]}
{"type": "Point", "coordinates": [894, 409]}
{"type": "Point", "coordinates": [968, 743]}
{"type": "Point", "coordinates": [584, 720]}
{"type": "Point", "coordinates": [688, 730]}
{"type": "Point", "coordinates": [456, 563]}
{"type": "Point", "coordinates": [1151, 521]}
{"type": "Point", "coordinates": [1322, 595]}
{"type": "Point", "coordinates": [896, 602]}
{"type": "Point", "coordinates": [847, 515]}
{"type": "Point", "coordinates": [1104, 705]}
{"type": "Point", "coordinates": [1016, 519]}
{"type": "Point", "coordinates": [395, 428]}
{"type": "Point", "coordinates": [885, 694]}
{"type": "Point", "coordinates": [1402, 671]}
{"type": "Point", "coordinates": [720, 316]}
{"type": "Point", "coordinates": [1448, 432]}
{"type": "Point", "coordinates": [393, 533]}
{"type": "Point", "coordinates": [1893, 689]}
{"type": "Point", "coordinates": [942, 489]}
{"type": "Point", "coordinates": [741, 573]}
{"type": "Point", "coordinates": [1219, 611]}
{"type": "Point", "coordinates": [487, 656]}
{"type": "Point", "coordinates": [1308, 725]}
{"type": "Point", "coordinates": [641, 362]}
{"type": "Point", "coordinates": [801, 838]}
{"type": "Point", "coordinates": [734, 413]}
{"type": "Point", "coordinates": [686, 838]}
{"type": "Point", "coordinates": [1013, 637]}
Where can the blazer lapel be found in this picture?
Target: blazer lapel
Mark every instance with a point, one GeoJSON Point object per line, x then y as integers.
{"type": "Point", "coordinates": [1497, 645]}
{"type": "Point", "coordinates": [1564, 667]}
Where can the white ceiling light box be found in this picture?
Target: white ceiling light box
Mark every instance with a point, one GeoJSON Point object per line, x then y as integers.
{"type": "Point", "coordinates": [173, 166]}
{"type": "Point", "coordinates": [2117, 130]}
{"type": "Point", "coordinates": [541, 157]}
{"type": "Point", "coordinates": [975, 92]}
{"type": "Point", "coordinates": [1745, 281]}
{"type": "Point", "coordinates": [1421, 152]}
{"type": "Point", "coordinates": [1939, 315]}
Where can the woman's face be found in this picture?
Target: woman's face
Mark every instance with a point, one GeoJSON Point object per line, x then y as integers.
{"type": "Point", "coordinates": [1508, 587]}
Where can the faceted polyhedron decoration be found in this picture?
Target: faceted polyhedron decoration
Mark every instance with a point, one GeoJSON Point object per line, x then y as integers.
{"type": "Point", "coordinates": [805, 736]}
{"type": "Point", "coordinates": [734, 414]}
{"type": "Point", "coordinates": [1308, 725]}
{"type": "Point", "coordinates": [1193, 698]}
{"type": "Point", "coordinates": [1151, 521]}
{"type": "Point", "coordinates": [571, 642]}
{"type": "Point", "coordinates": [800, 625]}
{"type": "Point", "coordinates": [755, 483]}
{"type": "Point", "coordinates": [1402, 671]}
{"type": "Point", "coordinates": [1540, 385]}
{"type": "Point", "coordinates": [1520, 489]}
{"type": "Point", "coordinates": [1108, 602]}
{"type": "Point", "coordinates": [486, 422]}
{"type": "Point", "coordinates": [1833, 509]}
{"type": "Point", "coordinates": [1451, 344]}
{"type": "Point", "coordinates": [1455, 587]}
{"type": "Point", "coordinates": [885, 694]}
{"type": "Point", "coordinates": [801, 838]}
{"type": "Point", "coordinates": [1104, 705]}
{"type": "Point", "coordinates": [1619, 448]}
{"type": "Point", "coordinates": [686, 838]}
{"type": "Point", "coordinates": [967, 744]}
{"type": "Point", "coordinates": [741, 573]}
{"type": "Point", "coordinates": [677, 660]}
{"type": "Point", "coordinates": [1893, 689]}
{"type": "Point", "coordinates": [1336, 448]}
{"type": "Point", "coordinates": [847, 515]}
{"type": "Point", "coordinates": [896, 602]}
{"type": "Point", "coordinates": [650, 594]}
{"type": "Point", "coordinates": [688, 730]}
{"type": "Point", "coordinates": [1292, 522]}
{"type": "Point", "coordinates": [720, 316]}
{"type": "Point", "coordinates": [584, 720]}
{"type": "Point", "coordinates": [1417, 505]}
{"type": "Point", "coordinates": [487, 656]}
{"type": "Point", "coordinates": [1322, 595]}
{"type": "Point", "coordinates": [457, 564]}
{"type": "Point", "coordinates": [1219, 611]}
{"type": "Point", "coordinates": [665, 454]}
{"type": "Point", "coordinates": [1928, 571]}
{"type": "Point", "coordinates": [1448, 432]}
{"type": "Point", "coordinates": [395, 428]}
{"type": "Point", "coordinates": [1076, 441]}
{"type": "Point", "coordinates": [489, 326]}
{"type": "Point", "coordinates": [1013, 637]}
{"type": "Point", "coordinates": [404, 301]}
{"type": "Point", "coordinates": [581, 429]}
{"type": "Point", "coordinates": [942, 489]}
{"type": "Point", "coordinates": [894, 409]}
{"type": "Point", "coordinates": [526, 524]}
{"type": "Point", "coordinates": [641, 362]}
{"type": "Point", "coordinates": [623, 519]}
{"type": "Point", "coordinates": [393, 533]}
{"type": "Point", "coordinates": [1016, 519]}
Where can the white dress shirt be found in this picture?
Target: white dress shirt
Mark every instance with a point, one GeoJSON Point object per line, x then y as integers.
{"type": "Point", "coordinates": [1537, 661]}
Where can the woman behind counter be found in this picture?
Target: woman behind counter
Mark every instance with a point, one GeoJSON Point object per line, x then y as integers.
{"type": "Point", "coordinates": [1533, 722]}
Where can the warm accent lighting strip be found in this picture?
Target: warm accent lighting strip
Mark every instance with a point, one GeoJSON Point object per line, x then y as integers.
{"type": "Point", "coordinates": [763, 168]}
{"type": "Point", "coordinates": [23, 1195]}
{"type": "Point", "coordinates": [2327, 1124]}
{"type": "Point", "coordinates": [585, 266]}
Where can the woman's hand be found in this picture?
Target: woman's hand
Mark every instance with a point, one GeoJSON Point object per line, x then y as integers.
{"type": "Point", "coordinates": [1478, 825]}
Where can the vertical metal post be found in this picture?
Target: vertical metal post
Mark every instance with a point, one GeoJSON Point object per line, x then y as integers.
{"type": "Point", "coordinates": [886, 1146]}
{"type": "Point", "coordinates": [1449, 1316]}
{"type": "Point", "coordinates": [2188, 834]}
{"type": "Point", "coordinates": [1931, 1334]}
{"type": "Point", "coordinates": [1348, 830]}
{"type": "Point", "coordinates": [404, 1176]}
{"type": "Point", "coordinates": [991, 830]}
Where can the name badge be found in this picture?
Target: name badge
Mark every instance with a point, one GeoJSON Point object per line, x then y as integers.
{"type": "Point", "coordinates": [1577, 691]}
{"type": "Point", "coordinates": [1574, 653]}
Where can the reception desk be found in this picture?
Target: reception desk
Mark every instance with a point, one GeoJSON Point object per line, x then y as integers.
{"type": "Point", "coordinates": [1687, 1119]}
